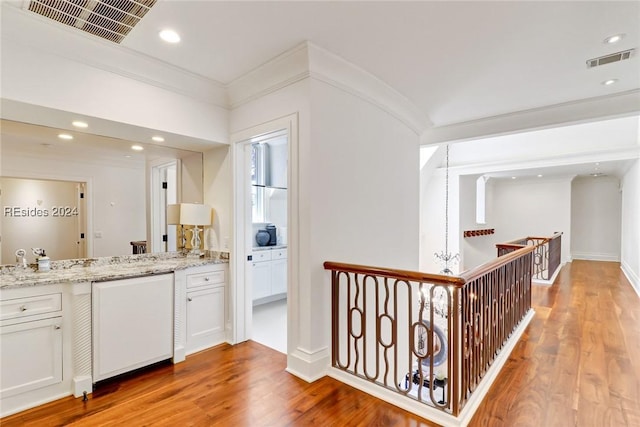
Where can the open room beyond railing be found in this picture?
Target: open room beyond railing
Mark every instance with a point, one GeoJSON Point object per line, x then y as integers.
{"type": "Point", "coordinates": [547, 255]}
{"type": "Point", "coordinates": [429, 343]}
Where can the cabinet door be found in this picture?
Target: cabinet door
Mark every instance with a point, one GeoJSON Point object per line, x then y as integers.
{"type": "Point", "coordinates": [261, 279]}
{"type": "Point", "coordinates": [30, 356]}
{"type": "Point", "coordinates": [132, 324]}
{"type": "Point", "coordinates": [279, 276]}
{"type": "Point", "coordinates": [205, 318]}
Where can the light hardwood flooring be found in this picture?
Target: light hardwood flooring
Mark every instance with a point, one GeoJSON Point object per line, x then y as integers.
{"type": "Point", "coordinates": [578, 364]}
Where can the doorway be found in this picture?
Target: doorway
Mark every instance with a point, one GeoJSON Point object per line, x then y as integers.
{"type": "Point", "coordinates": [268, 154]}
{"type": "Point", "coordinates": [164, 191]}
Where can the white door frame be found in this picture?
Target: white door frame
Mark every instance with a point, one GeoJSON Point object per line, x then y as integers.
{"type": "Point", "coordinates": [157, 224]}
{"type": "Point", "coordinates": [241, 301]}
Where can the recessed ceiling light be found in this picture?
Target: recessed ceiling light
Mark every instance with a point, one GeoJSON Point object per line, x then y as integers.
{"type": "Point", "coordinates": [157, 138]}
{"type": "Point", "coordinates": [79, 124]}
{"type": "Point", "coordinates": [609, 82]}
{"type": "Point", "coordinates": [539, 176]}
{"type": "Point", "coordinates": [613, 39]}
{"type": "Point", "coordinates": [137, 147]}
{"type": "Point", "coordinates": [513, 177]}
{"type": "Point", "coordinates": [169, 36]}
{"type": "Point", "coordinates": [65, 136]}
{"type": "Point", "coordinates": [128, 156]}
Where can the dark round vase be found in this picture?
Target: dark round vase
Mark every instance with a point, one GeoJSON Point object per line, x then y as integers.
{"type": "Point", "coordinates": [262, 237]}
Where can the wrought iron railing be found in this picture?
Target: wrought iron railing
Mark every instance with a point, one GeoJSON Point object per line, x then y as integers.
{"type": "Point", "coordinates": [547, 256]}
{"type": "Point", "coordinates": [429, 337]}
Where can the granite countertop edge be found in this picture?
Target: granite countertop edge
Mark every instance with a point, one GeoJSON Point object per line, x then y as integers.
{"type": "Point", "coordinates": [104, 269]}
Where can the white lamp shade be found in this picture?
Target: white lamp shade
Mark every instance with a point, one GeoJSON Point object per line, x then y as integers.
{"type": "Point", "coordinates": [195, 214]}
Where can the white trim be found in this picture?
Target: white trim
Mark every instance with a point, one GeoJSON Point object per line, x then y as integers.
{"type": "Point", "coordinates": [595, 256]}
{"type": "Point", "coordinates": [240, 294]}
{"type": "Point", "coordinates": [138, 65]}
{"type": "Point", "coordinates": [309, 60]}
{"type": "Point", "coordinates": [308, 365]}
{"type": "Point", "coordinates": [633, 278]}
{"type": "Point", "coordinates": [582, 111]}
{"type": "Point", "coordinates": [428, 412]}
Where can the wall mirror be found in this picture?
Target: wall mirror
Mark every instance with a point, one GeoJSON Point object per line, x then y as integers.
{"type": "Point", "coordinates": [86, 196]}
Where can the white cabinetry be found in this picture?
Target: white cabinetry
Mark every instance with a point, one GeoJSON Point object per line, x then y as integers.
{"type": "Point", "coordinates": [205, 307]}
{"type": "Point", "coordinates": [269, 269]}
{"type": "Point", "coordinates": [132, 324]}
{"type": "Point", "coordinates": [30, 350]}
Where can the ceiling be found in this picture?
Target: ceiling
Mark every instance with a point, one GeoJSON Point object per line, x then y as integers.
{"type": "Point", "coordinates": [456, 61]}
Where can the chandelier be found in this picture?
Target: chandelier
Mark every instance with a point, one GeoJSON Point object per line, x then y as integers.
{"type": "Point", "coordinates": [445, 258]}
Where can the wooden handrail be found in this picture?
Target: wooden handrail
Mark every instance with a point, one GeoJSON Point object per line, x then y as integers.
{"type": "Point", "coordinates": [482, 269]}
{"type": "Point", "coordinates": [415, 276]}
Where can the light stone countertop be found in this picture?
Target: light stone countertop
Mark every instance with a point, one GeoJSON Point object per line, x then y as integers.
{"type": "Point", "coordinates": [104, 268]}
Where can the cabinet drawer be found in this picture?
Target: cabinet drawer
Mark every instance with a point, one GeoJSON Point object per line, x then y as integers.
{"type": "Point", "coordinates": [30, 306]}
{"type": "Point", "coordinates": [205, 279]}
{"type": "Point", "coordinates": [261, 255]}
{"type": "Point", "coordinates": [279, 253]}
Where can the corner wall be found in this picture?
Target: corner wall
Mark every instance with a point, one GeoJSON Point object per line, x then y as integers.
{"type": "Point", "coordinates": [630, 226]}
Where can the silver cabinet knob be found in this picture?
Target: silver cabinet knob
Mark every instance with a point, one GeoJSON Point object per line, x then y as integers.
{"type": "Point", "coordinates": [206, 279]}
{"type": "Point", "coordinates": [23, 308]}
{"type": "Point", "coordinates": [189, 299]}
{"type": "Point", "coordinates": [56, 327]}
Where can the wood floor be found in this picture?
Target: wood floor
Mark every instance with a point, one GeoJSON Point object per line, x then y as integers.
{"type": "Point", "coordinates": [578, 364]}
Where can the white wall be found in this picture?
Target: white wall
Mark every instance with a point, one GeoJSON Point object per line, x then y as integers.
{"type": "Point", "coordinates": [476, 250]}
{"type": "Point", "coordinates": [630, 247]}
{"type": "Point", "coordinates": [218, 193]}
{"type": "Point", "coordinates": [363, 173]}
{"type": "Point", "coordinates": [533, 207]}
{"type": "Point", "coordinates": [115, 196]}
{"type": "Point", "coordinates": [595, 218]}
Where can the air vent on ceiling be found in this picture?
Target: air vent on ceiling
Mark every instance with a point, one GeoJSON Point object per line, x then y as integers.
{"type": "Point", "coordinates": [608, 59]}
{"type": "Point", "coordinates": [108, 19]}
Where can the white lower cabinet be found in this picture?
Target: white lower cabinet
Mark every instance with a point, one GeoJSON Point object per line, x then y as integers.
{"type": "Point", "coordinates": [30, 355]}
{"type": "Point", "coordinates": [205, 308]}
{"type": "Point", "coordinates": [132, 324]}
{"type": "Point", "coordinates": [269, 275]}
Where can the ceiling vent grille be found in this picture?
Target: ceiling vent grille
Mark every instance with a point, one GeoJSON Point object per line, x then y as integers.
{"type": "Point", "coordinates": [109, 19]}
{"type": "Point", "coordinates": [608, 59]}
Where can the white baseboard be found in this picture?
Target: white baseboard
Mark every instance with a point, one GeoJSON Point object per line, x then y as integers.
{"type": "Point", "coordinates": [595, 256]}
{"type": "Point", "coordinates": [309, 366]}
{"type": "Point", "coordinates": [631, 276]}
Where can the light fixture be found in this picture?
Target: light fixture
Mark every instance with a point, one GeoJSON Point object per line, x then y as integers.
{"type": "Point", "coordinates": [193, 214]}
{"type": "Point", "coordinates": [157, 138]}
{"type": "Point", "coordinates": [446, 258]}
{"type": "Point", "coordinates": [513, 177]}
{"type": "Point", "coordinates": [170, 36]}
{"type": "Point", "coordinates": [609, 82]}
{"type": "Point", "coordinates": [613, 39]}
{"type": "Point", "coordinates": [137, 147]}
{"type": "Point", "coordinates": [65, 136]}
{"type": "Point", "coordinates": [539, 176]}
{"type": "Point", "coordinates": [79, 124]}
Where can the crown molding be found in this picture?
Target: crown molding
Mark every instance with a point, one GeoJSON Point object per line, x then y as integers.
{"type": "Point", "coordinates": [575, 112]}
{"type": "Point", "coordinates": [45, 36]}
{"type": "Point", "coordinates": [308, 60]}
{"type": "Point", "coordinates": [338, 72]}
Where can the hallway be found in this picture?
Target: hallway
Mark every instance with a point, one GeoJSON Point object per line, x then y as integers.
{"type": "Point", "coordinates": [578, 364]}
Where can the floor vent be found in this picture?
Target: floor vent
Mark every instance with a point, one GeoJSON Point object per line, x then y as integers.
{"type": "Point", "coordinates": [109, 19]}
{"type": "Point", "coordinates": [608, 59]}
